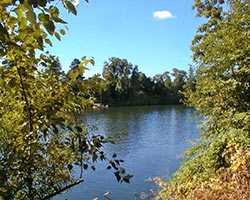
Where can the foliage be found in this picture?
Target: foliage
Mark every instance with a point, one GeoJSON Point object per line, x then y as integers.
{"type": "Point", "coordinates": [126, 85]}
{"type": "Point", "coordinates": [218, 166]}
{"type": "Point", "coordinates": [117, 72]}
{"type": "Point", "coordinates": [40, 141]}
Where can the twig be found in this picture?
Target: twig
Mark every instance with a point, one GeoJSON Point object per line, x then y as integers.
{"type": "Point", "coordinates": [26, 100]}
{"type": "Point", "coordinates": [63, 189]}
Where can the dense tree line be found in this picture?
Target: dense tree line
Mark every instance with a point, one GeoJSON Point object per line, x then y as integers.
{"type": "Point", "coordinates": [41, 143]}
{"type": "Point", "coordinates": [123, 84]}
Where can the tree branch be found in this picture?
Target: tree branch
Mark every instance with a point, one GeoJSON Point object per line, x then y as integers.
{"type": "Point", "coordinates": [63, 189]}
{"type": "Point", "coordinates": [30, 180]}
{"type": "Point", "coordinates": [25, 99]}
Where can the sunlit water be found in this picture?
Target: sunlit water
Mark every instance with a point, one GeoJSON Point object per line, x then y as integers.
{"type": "Point", "coordinates": [150, 139]}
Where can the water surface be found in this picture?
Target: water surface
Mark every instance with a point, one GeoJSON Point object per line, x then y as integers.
{"type": "Point", "coordinates": [149, 138]}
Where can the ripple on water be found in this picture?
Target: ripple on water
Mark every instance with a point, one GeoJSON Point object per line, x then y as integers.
{"type": "Point", "coordinates": [148, 138]}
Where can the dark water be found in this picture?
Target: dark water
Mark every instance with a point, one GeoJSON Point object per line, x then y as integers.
{"type": "Point", "coordinates": [150, 139]}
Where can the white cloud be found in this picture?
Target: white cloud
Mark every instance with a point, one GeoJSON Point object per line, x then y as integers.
{"type": "Point", "coordinates": [163, 14]}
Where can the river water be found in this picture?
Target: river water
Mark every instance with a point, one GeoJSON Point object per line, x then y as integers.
{"type": "Point", "coordinates": [150, 139]}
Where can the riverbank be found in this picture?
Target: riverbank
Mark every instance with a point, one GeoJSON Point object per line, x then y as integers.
{"type": "Point", "coordinates": [140, 102]}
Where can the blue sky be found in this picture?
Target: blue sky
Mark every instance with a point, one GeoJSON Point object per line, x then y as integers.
{"type": "Point", "coordinates": [153, 34]}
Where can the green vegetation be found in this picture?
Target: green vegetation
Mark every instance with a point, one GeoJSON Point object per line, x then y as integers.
{"type": "Point", "coordinates": [218, 166]}
{"type": "Point", "coordinates": [123, 84]}
{"type": "Point", "coordinates": [41, 139]}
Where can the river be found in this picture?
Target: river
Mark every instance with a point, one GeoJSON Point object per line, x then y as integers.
{"type": "Point", "coordinates": [150, 139]}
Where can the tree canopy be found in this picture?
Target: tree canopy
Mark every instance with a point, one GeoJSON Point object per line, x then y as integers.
{"type": "Point", "coordinates": [123, 84]}
{"type": "Point", "coordinates": [218, 166]}
{"type": "Point", "coordinates": [41, 139]}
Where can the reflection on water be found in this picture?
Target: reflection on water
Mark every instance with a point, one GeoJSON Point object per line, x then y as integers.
{"type": "Point", "coordinates": [148, 138]}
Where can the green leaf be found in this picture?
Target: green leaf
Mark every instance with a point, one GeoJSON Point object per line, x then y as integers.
{"type": "Point", "coordinates": [8, 2]}
{"type": "Point", "coordinates": [117, 175]}
{"type": "Point", "coordinates": [73, 74]}
{"type": "Point", "coordinates": [70, 167]}
{"type": "Point", "coordinates": [126, 179]}
{"type": "Point", "coordinates": [19, 12]}
{"type": "Point", "coordinates": [85, 166]}
{"type": "Point", "coordinates": [3, 31]}
{"type": "Point", "coordinates": [113, 165]}
{"type": "Point", "coordinates": [122, 170]}
{"type": "Point", "coordinates": [70, 7]}
{"type": "Point", "coordinates": [47, 23]}
{"type": "Point", "coordinates": [81, 68]}
{"type": "Point", "coordinates": [109, 167]}
{"type": "Point", "coordinates": [50, 27]}
{"type": "Point", "coordinates": [40, 42]}
{"type": "Point", "coordinates": [62, 31]}
{"type": "Point", "coordinates": [93, 167]}
{"type": "Point", "coordinates": [27, 5]}
{"type": "Point", "coordinates": [48, 42]}
{"type": "Point", "coordinates": [31, 16]}
{"type": "Point", "coordinates": [92, 61]}
{"type": "Point", "coordinates": [19, 51]}
{"type": "Point", "coordinates": [12, 82]}
{"type": "Point", "coordinates": [58, 36]}
{"type": "Point", "coordinates": [42, 3]}
{"type": "Point", "coordinates": [42, 17]}
{"type": "Point", "coordinates": [59, 20]}
{"type": "Point", "coordinates": [117, 162]}
{"type": "Point", "coordinates": [1, 81]}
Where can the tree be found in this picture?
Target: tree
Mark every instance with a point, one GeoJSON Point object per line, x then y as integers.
{"type": "Point", "coordinates": [134, 83]}
{"type": "Point", "coordinates": [178, 83]}
{"type": "Point", "coordinates": [100, 86]}
{"type": "Point", "coordinates": [179, 79]}
{"type": "Point", "coordinates": [167, 80]}
{"type": "Point", "coordinates": [126, 85]}
{"type": "Point", "coordinates": [74, 66]}
{"type": "Point", "coordinates": [218, 166]}
{"type": "Point", "coordinates": [162, 87]}
{"type": "Point", "coordinates": [191, 80]}
{"type": "Point", "coordinates": [40, 142]}
{"type": "Point", "coordinates": [117, 73]}
{"type": "Point", "coordinates": [146, 91]}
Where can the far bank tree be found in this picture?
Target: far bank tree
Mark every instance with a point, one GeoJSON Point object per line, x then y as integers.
{"type": "Point", "coordinates": [126, 85]}
{"type": "Point", "coordinates": [41, 143]}
{"type": "Point", "coordinates": [218, 166]}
